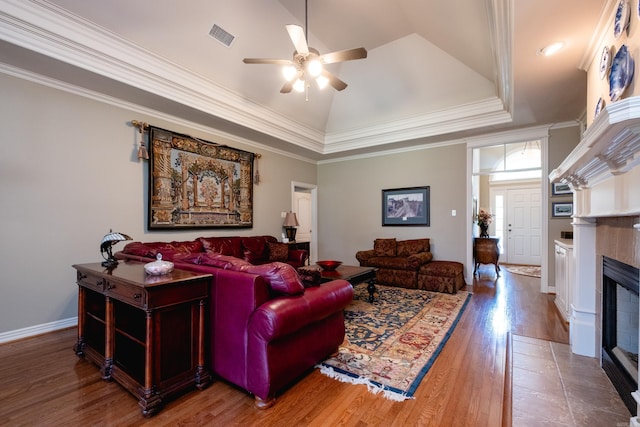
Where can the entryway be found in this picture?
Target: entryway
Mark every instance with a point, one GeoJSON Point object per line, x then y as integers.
{"type": "Point", "coordinates": [304, 204]}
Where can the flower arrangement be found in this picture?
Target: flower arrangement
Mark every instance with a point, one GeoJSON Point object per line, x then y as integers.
{"type": "Point", "coordinates": [484, 217]}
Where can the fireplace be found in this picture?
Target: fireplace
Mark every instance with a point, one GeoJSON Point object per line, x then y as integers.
{"type": "Point", "coordinates": [620, 327]}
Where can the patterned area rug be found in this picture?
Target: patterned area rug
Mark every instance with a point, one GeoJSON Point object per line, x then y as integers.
{"type": "Point", "coordinates": [391, 344]}
{"type": "Point", "coordinates": [525, 270]}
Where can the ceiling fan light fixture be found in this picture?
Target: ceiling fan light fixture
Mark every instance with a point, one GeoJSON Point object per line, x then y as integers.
{"type": "Point", "coordinates": [298, 86]}
{"type": "Point", "coordinates": [322, 82]}
{"type": "Point", "coordinates": [314, 67]}
{"type": "Point", "coordinates": [289, 72]}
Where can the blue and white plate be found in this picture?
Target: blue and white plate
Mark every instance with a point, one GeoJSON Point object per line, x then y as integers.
{"type": "Point", "coordinates": [599, 107]}
{"type": "Point", "coordinates": [605, 62]}
{"type": "Point", "coordinates": [622, 18]}
{"type": "Point", "coordinates": [621, 73]}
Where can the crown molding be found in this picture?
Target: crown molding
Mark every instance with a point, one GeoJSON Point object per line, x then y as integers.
{"type": "Point", "coordinates": [470, 116]}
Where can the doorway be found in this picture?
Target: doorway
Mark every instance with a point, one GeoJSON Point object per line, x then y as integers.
{"type": "Point", "coordinates": [502, 160]}
{"type": "Point", "coordinates": [304, 202]}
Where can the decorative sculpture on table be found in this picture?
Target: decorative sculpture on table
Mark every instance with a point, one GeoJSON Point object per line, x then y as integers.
{"type": "Point", "coordinates": [107, 242]}
{"type": "Point", "coordinates": [484, 218]}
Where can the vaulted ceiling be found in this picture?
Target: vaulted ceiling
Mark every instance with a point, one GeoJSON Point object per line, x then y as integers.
{"type": "Point", "coordinates": [436, 70]}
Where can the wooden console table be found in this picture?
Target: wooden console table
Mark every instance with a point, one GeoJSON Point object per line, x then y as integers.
{"type": "Point", "coordinates": [145, 332]}
{"type": "Point", "coordinates": [486, 251]}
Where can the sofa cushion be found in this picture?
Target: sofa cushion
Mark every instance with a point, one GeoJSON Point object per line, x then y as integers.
{"type": "Point", "coordinates": [140, 249]}
{"type": "Point", "coordinates": [187, 247]}
{"type": "Point", "coordinates": [254, 249]}
{"type": "Point", "coordinates": [223, 245]}
{"type": "Point", "coordinates": [392, 262]}
{"type": "Point", "coordinates": [385, 247]}
{"type": "Point", "coordinates": [226, 262]}
{"type": "Point", "coordinates": [281, 277]}
{"type": "Point", "coordinates": [278, 252]}
{"type": "Point", "coordinates": [411, 247]}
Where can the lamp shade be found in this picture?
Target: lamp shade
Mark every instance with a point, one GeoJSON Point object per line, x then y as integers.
{"type": "Point", "coordinates": [291, 220]}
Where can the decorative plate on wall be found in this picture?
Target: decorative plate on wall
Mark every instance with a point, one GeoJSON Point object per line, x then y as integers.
{"type": "Point", "coordinates": [621, 74]}
{"type": "Point", "coordinates": [605, 62]}
{"type": "Point", "coordinates": [622, 18]}
{"type": "Point", "coordinates": [599, 107]}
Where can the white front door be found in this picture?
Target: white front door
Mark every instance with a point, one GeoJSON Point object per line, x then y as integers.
{"type": "Point", "coordinates": [524, 226]}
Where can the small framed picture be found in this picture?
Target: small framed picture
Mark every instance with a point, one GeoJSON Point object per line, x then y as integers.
{"type": "Point", "coordinates": [562, 209]}
{"type": "Point", "coordinates": [560, 189]}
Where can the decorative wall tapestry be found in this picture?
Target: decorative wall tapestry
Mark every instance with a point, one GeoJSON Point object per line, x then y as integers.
{"type": "Point", "coordinates": [198, 184]}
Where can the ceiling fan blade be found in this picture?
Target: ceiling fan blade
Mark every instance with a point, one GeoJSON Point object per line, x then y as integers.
{"type": "Point", "coordinates": [335, 82]}
{"type": "Point", "coordinates": [344, 55]}
{"type": "Point", "coordinates": [296, 33]}
{"type": "Point", "coordinates": [267, 61]}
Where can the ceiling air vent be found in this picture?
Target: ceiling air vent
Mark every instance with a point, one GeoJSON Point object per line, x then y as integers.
{"type": "Point", "coordinates": [221, 35]}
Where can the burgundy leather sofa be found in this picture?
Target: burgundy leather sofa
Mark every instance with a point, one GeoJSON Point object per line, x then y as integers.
{"type": "Point", "coordinates": [266, 330]}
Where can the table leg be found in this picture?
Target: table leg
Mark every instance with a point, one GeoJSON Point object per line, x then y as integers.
{"type": "Point", "coordinates": [371, 288]}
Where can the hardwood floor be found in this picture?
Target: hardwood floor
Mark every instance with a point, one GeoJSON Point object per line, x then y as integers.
{"type": "Point", "coordinates": [42, 382]}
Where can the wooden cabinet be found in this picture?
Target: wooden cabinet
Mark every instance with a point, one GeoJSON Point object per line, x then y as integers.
{"type": "Point", "coordinates": [564, 277]}
{"type": "Point", "coordinates": [145, 332]}
{"type": "Point", "coordinates": [486, 250]}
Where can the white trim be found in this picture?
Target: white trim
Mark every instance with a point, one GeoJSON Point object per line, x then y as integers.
{"type": "Point", "coordinates": [31, 331]}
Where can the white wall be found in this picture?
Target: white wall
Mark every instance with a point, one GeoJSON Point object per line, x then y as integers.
{"type": "Point", "coordinates": [350, 201]}
{"type": "Point", "coordinates": [68, 174]}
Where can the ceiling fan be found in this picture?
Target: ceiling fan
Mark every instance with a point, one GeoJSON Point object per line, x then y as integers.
{"type": "Point", "coordinates": [308, 63]}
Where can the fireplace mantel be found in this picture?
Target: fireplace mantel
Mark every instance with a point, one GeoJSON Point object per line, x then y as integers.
{"type": "Point", "coordinates": [604, 168]}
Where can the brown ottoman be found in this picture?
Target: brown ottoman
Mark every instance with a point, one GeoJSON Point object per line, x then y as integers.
{"type": "Point", "coordinates": [441, 276]}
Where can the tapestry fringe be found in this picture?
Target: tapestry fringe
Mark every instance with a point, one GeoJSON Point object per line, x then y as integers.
{"type": "Point", "coordinates": [371, 386]}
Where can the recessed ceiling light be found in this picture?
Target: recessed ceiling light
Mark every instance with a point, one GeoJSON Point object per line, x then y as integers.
{"type": "Point", "coordinates": [551, 49]}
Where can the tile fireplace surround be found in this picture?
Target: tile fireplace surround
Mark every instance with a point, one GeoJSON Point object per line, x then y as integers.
{"type": "Point", "coordinates": [604, 174]}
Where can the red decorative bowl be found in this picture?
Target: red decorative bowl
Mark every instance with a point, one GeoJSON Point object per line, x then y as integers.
{"type": "Point", "coordinates": [329, 265]}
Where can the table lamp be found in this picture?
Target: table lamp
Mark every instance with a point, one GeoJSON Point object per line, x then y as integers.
{"type": "Point", "coordinates": [290, 224]}
{"type": "Point", "coordinates": [105, 248]}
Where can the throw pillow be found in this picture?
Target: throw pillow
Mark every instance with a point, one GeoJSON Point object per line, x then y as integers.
{"type": "Point", "coordinates": [282, 278]}
{"type": "Point", "coordinates": [414, 246]}
{"type": "Point", "coordinates": [278, 252]}
{"type": "Point", "coordinates": [385, 247]}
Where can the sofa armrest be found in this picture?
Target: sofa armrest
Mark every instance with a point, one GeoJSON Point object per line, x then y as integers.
{"type": "Point", "coordinates": [282, 316]}
{"type": "Point", "coordinates": [364, 256]}
{"type": "Point", "coordinates": [416, 260]}
{"type": "Point", "coordinates": [298, 257]}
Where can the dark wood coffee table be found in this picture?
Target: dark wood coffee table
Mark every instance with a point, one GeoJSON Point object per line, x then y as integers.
{"type": "Point", "coordinates": [353, 275]}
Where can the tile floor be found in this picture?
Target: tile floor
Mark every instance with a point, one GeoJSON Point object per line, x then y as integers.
{"type": "Point", "coordinates": [554, 387]}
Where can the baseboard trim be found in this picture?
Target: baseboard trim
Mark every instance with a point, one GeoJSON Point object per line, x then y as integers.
{"type": "Point", "coordinates": [37, 330]}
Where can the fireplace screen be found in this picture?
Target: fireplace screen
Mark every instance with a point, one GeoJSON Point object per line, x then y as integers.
{"type": "Point", "coordinates": [620, 327]}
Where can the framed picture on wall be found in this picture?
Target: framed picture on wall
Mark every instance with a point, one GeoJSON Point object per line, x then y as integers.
{"type": "Point", "coordinates": [406, 206]}
{"type": "Point", "coordinates": [560, 189]}
{"type": "Point", "coordinates": [561, 209]}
